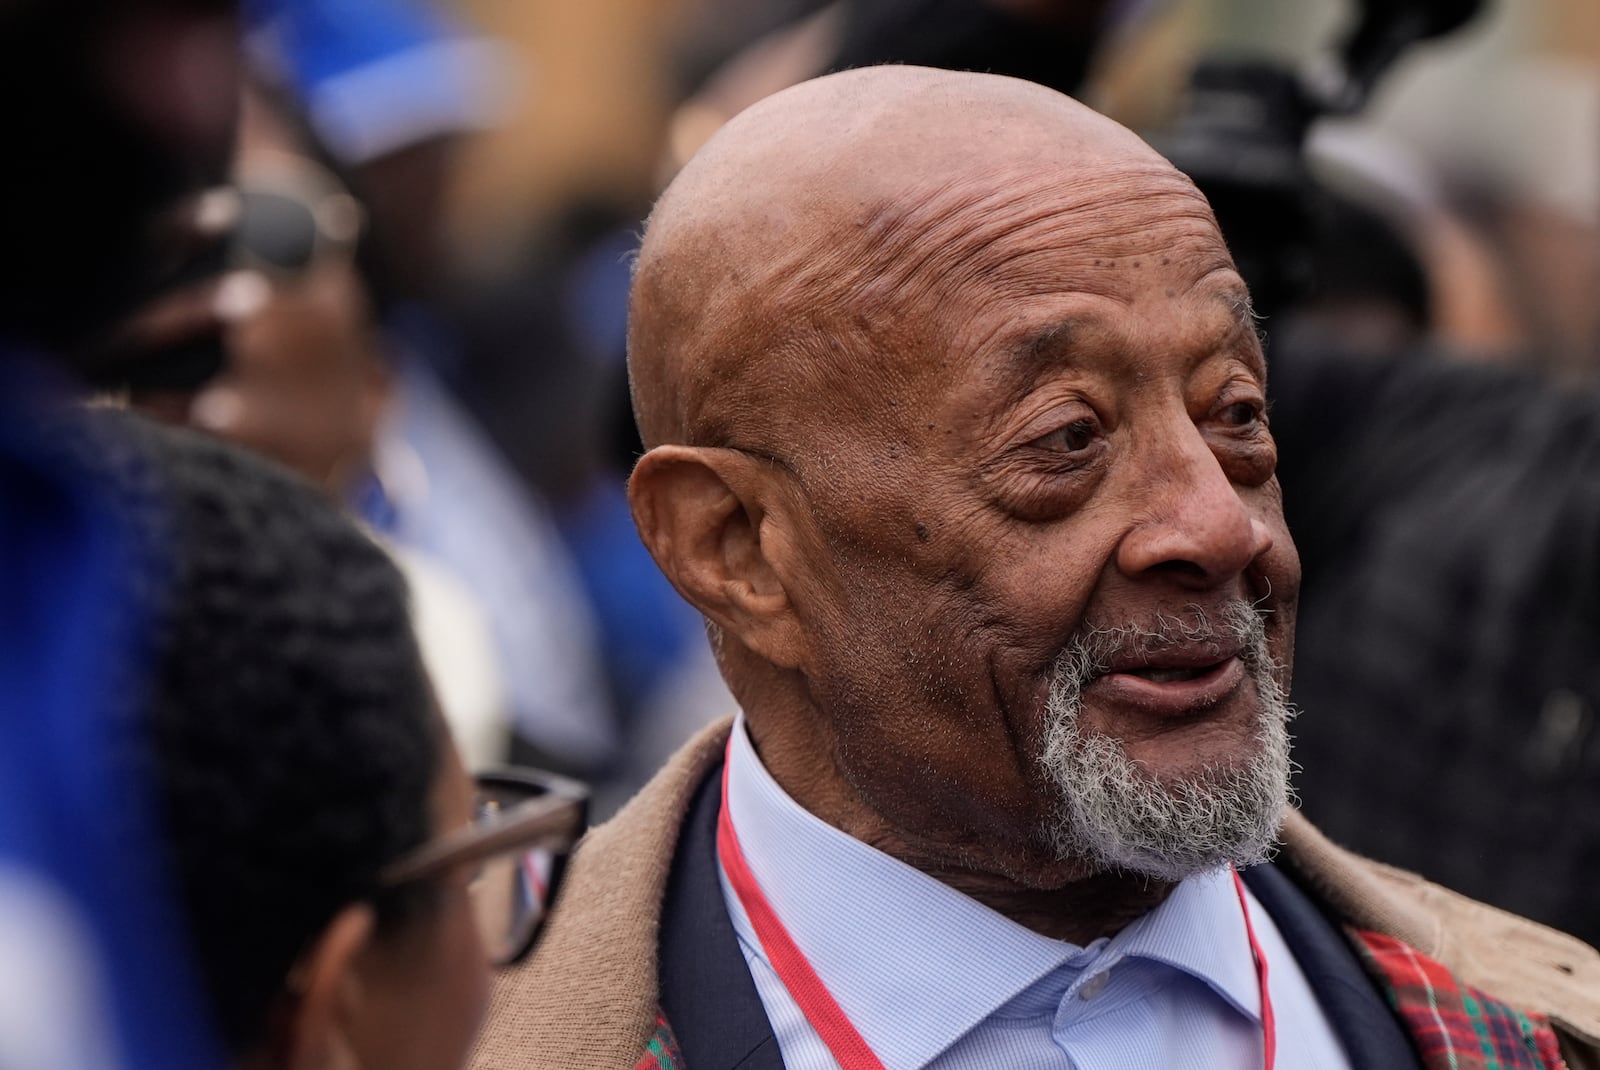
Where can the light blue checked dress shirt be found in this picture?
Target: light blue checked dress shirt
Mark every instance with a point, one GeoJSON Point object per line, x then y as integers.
{"type": "Point", "coordinates": [932, 978]}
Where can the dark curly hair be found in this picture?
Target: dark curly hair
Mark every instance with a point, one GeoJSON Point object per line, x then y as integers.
{"type": "Point", "coordinates": [289, 724]}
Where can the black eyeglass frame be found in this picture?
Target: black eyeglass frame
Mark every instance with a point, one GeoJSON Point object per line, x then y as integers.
{"type": "Point", "coordinates": [552, 820]}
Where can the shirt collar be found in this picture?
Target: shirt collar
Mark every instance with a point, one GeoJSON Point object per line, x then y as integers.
{"type": "Point", "coordinates": [847, 905]}
{"type": "Point", "coordinates": [1200, 930]}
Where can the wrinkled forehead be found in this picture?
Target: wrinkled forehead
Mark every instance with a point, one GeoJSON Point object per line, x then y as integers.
{"type": "Point", "coordinates": [1033, 229]}
{"type": "Point", "coordinates": [940, 277]}
{"type": "Point", "coordinates": [801, 264]}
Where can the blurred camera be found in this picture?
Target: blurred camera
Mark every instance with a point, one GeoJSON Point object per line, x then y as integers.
{"type": "Point", "coordinates": [1241, 133]}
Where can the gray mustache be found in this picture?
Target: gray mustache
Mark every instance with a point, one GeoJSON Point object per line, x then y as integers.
{"type": "Point", "coordinates": [1236, 627]}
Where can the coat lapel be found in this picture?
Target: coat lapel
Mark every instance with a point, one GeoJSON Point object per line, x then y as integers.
{"type": "Point", "coordinates": [588, 995]}
{"type": "Point", "coordinates": [706, 989]}
{"type": "Point", "coordinates": [1366, 1026]}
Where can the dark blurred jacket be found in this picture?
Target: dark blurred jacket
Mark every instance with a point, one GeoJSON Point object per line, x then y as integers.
{"type": "Point", "coordinates": [1448, 653]}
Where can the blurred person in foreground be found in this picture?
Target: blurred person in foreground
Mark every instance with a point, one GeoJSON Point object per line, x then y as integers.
{"type": "Point", "coordinates": [336, 888]}
{"type": "Point", "coordinates": [958, 438]}
{"type": "Point", "coordinates": [93, 971]}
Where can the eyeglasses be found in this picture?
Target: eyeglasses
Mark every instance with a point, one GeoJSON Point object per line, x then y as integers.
{"type": "Point", "coordinates": [285, 227]}
{"type": "Point", "coordinates": [526, 825]}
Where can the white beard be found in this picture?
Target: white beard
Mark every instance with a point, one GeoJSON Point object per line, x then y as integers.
{"type": "Point", "coordinates": [1115, 815]}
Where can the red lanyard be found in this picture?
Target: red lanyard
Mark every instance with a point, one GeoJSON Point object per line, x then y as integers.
{"type": "Point", "coordinates": [849, 1050]}
{"type": "Point", "coordinates": [1269, 1024]}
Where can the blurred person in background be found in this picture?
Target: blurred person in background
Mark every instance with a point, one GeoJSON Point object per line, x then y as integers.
{"type": "Point", "coordinates": [544, 348]}
{"type": "Point", "coordinates": [333, 878]}
{"type": "Point", "coordinates": [392, 88]}
{"type": "Point", "coordinates": [303, 379]}
{"type": "Point", "coordinates": [94, 971]}
{"type": "Point", "coordinates": [1448, 515]}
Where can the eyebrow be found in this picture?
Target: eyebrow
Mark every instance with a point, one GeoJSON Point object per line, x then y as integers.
{"type": "Point", "coordinates": [1053, 343]}
{"type": "Point", "coordinates": [1047, 346]}
{"type": "Point", "coordinates": [1249, 326]}
{"type": "Point", "coordinates": [1239, 303]}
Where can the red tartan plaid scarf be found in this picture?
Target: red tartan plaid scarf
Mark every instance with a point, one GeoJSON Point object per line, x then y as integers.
{"type": "Point", "coordinates": [661, 1052]}
{"type": "Point", "coordinates": [1452, 1025]}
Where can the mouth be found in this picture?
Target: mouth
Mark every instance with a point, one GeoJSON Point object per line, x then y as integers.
{"type": "Point", "coordinates": [1171, 687]}
{"type": "Point", "coordinates": [1167, 676]}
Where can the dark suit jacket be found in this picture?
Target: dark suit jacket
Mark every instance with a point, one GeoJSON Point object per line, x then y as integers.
{"type": "Point", "coordinates": [710, 999]}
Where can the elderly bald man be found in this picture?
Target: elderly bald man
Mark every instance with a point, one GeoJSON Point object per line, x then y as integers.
{"type": "Point", "coordinates": [958, 438]}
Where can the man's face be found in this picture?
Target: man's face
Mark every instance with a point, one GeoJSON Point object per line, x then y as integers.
{"type": "Point", "coordinates": [1048, 543]}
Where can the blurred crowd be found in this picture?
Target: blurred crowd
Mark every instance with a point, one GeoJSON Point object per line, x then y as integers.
{"type": "Point", "coordinates": [401, 239]}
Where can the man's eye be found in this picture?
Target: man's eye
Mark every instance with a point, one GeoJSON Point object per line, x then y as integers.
{"type": "Point", "coordinates": [1072, 438]}
{"type": "Point", "coordinates": [1242, 414]}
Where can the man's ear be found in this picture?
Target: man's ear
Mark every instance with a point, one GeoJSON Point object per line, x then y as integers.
{"type": "Point", "coordinates": [707, 517]}
{"type": "Point", "coordinates": [325, 993]}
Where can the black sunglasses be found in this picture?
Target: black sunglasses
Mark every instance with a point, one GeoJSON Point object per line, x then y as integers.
{"type": "Point", "coordinates": [284, 229]}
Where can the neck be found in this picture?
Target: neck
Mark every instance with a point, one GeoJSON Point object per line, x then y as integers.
{"type": "Point", "coordinates": [1063, 900]}
{"type": "Point", "coordinates": [1078, 911]}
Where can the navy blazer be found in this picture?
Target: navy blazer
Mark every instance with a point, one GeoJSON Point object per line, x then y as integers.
{"type": "Point", "coordinates": [715, 1011]}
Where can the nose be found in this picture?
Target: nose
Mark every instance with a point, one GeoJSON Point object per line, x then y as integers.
{"type": "Point", "coordinates": [1193, 527]}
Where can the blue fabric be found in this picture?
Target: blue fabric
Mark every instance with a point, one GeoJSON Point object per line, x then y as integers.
{"type": "Point", "coordinates": [378, 75]}
{"type": "Point", "coordinates": [932, 978]}
{"type": "Point", "coordinates": [323, 39]}
{"type": "Point", "coordinates": [646, 628]}
{"type": "Point", "coordinates": [68, 633]}
{"type": "Point", "coordinates": [448, 494]}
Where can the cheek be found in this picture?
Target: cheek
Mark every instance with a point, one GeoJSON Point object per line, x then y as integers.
{"type": "Point", "coordinates": [425, 999]}
{"type": "Point", "coordinates": [1039, 581]}
{"type": "Point", "coordinates": [466, 964]}
{"type": "Point", "coordinates": [1279, 568]}
{"type": "Point", "coordinates": [938, 684]}
{"type": "Point", "coordinates": [448, 989]}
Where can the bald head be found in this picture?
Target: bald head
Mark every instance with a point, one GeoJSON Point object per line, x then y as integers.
{"type": "Point", "coordinates": [778, 258]}
{"type": "Point", "coordinates": [942, 374]}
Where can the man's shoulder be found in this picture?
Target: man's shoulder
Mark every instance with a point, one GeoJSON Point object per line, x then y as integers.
{"type": "Point", "coordinates": [589, 997]}
{"type": "Point", "coordinates": [1527, 965]}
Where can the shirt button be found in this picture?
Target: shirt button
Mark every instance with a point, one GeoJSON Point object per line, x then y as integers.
{"type": "Point", "coordinates": [1094, 985]}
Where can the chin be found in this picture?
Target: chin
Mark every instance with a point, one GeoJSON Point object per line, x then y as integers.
{"type": "Point", "coordinates": [1202, 751]}
{"type": "Point", "coordinates": [1180, 805]}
